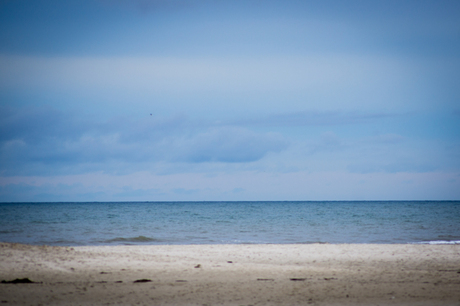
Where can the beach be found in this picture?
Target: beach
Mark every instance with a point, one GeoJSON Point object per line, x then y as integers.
{"type": "Point", "coordinates": [231, 274]}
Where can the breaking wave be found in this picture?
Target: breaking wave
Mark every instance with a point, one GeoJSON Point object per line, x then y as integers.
{"type": "Point", "coordinates": [138, 239]}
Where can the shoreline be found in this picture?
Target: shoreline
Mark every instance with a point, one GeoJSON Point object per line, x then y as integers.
{"type": "Point", "coordinates": [232, 274]}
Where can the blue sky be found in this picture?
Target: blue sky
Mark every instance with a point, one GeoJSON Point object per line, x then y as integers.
{"type": "Point", "coordinates": [229, 100]}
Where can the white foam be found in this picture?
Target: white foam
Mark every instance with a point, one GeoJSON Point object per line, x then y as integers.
{"type": "Point", "coordinates": [441, 242]}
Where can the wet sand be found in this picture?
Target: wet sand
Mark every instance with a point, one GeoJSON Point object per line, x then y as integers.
{"type": "Point", "coordinates": [312, 274]}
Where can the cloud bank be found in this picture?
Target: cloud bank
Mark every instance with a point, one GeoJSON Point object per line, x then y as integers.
{"type": "Point", "coordinates": [45, 141]}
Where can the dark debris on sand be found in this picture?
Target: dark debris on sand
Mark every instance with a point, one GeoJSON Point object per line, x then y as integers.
{"type": "Point", "coordinates": [19, 281]}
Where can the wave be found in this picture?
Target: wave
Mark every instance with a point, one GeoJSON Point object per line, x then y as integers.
{"type": "Point", "coordinates": [440, 242]}
{"type": "Point", "coordinates": [10, 231]}
{"type": "Point", "coordinates": [138, 239]}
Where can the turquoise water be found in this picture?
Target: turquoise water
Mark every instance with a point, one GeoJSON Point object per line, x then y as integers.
{"type": "Point", "coordinates": [114, 223]}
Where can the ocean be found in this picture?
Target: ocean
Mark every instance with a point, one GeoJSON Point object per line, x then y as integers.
{"type": "Point", "coordinates": [150, 223]}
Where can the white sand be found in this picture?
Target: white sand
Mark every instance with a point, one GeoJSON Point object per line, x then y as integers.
{"type": "Point", "coordinates": [232, 275]}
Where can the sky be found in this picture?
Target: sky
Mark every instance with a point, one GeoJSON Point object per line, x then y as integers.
{"type": "Point", "coordinates": [210, 100]}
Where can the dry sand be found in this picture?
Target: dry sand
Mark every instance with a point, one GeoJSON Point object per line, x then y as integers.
{"type": "Point", "coordinates": [313, 274]}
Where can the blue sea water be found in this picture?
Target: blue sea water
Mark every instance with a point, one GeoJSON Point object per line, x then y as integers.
{"type": "Point", "coordinates": [115, 223]}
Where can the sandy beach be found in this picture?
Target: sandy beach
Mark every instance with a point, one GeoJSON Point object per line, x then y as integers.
{"type": "Point", "coordinates": [309, 274]}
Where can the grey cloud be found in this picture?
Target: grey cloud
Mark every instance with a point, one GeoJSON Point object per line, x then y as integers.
{"type": "Point", "coordinates": [230, 144]}
{"type": "Point", "coordinates": [185, 191]}
{"type": "Point", "coordinates": [409, 166]}
{"type": "Point", "coordinates": [385, 139]}
{"type": "Point", "coordinates": [29, 193]}
{"type": "Point", "coordinates": [392, 167]}
{"type": "Point", "coordinates": [393, 153]}
{"type": "Point", "coordinates": [315, 118]}
{"type": "Point", "coordinates": [387, 153]}
{"type": "Point", "coordinates": [149, 129]}
{"type": "Point", "coordinates": [29, 123]}
{"type": "Point", "coordinates": [46, 142]}
{"type": "Point", "coordinates": [328, 142]}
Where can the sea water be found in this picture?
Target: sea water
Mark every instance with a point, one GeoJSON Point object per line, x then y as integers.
{"type": "Point", "coordinates": [115, 223]}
